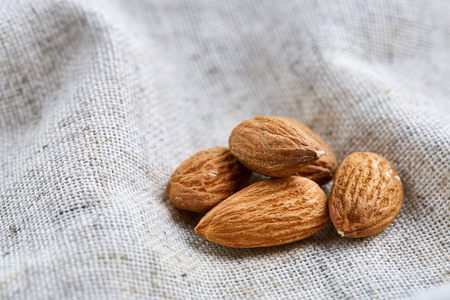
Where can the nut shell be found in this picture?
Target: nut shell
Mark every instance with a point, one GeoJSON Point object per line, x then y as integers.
{"type": "Point", "coordinates": [273, 146]}
{"type": "Point", "coordinates": [205, 179]}
{"type": "Point", "coordinates": [366, 195]}
{"type": "Point", "coordinates": [267, 213]}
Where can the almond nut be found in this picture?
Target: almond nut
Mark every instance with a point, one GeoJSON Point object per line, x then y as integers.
{"type": "Point", "coordinates": [366, 195]}
{"type": "Point", "coordinates": [272, 146]}
{"type": "Point", "coordinates": [322, 170]}
{"type": "Point", "coordinates": [205, 179]}
{"type": "Point", "coordinates": [267, 213]}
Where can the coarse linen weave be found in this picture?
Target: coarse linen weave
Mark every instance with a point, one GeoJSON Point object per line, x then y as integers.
{"type": "Point", "coordinates": [101, 100]}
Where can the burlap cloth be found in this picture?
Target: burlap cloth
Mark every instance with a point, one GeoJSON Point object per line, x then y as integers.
{"type": "Point", "coordinates": [101, 100]}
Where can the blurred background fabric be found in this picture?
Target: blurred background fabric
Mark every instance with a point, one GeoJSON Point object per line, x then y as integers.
{"type": "Point", "coordinates": [101, 100]}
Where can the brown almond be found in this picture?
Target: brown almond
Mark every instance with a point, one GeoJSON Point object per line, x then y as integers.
{"type": "Point", "coordinates": [366, 195]}
{"type": "Point", "coordinates": [272, 146]}
{"type": "Point", "coordinates": [267, 213]}
{"type": "Point", "coordinates": [322, 170]}
{"type": "Point", "coordinates": [205, 179]}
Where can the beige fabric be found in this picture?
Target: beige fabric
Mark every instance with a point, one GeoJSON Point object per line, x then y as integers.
{"type": "Point", "coordinates": [101, 100]}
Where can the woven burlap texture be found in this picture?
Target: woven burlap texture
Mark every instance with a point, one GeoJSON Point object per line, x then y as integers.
{"type": "Point", "coordinates": [101, 100]}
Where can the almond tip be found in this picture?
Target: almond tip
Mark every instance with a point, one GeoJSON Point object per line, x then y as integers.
{"type": "Point", "coordinates": [198, 230]}
{"type": "Point", "coordinates": [320, 153]}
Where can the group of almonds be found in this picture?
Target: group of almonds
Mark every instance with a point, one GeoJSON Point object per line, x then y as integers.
{"type": "Point", "coordinates": [365, 198]}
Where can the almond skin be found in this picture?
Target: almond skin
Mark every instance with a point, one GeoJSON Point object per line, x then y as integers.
{"type": "Point", "coordinates": [205, 179]}
{"type": "Point", "coordinates": [322, 170]}
{"type": "Point", "coordinates": [272, 146]}
{"type": "Point", "coordinates": [366, 195]}
{"type": "Point", "coordinates": [267, 213]}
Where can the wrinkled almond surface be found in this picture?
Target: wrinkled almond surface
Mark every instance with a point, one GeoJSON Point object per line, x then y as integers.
{"type": "Point", "coordinates": [267, 213]}
{"type": "Point", "coordinates": [205, 179]}
{"type": "Point", "coordinates": [272, 146]}
{"type": "Point", "coordinates": [366, 196]}
{"type": "Point", "coordinates": [322, 170]}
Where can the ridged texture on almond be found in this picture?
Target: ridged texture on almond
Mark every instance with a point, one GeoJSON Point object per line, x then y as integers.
{"type": "Point", "coordinates": [322, 170]}
{"type": "Point", "coordinates": [366, 196]}
{"type": "Point", "coordinates": [272, 146]}
{"type": "Point", "coordinates": [205, 179]}
{"type": "Point", "coordinates": [267, 213]}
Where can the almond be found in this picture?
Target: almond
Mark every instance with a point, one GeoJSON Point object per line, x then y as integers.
{"type": "Point", "coordinates": [267, 213]}
{"type": "Point", "coordinates": [272, 146]}
{"type": "Point", "coordinates": [322, 170]}
{"type": "Point", "coordinates": [366, 195]}
{"type": "Point", "coordinates": [205, 179]}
